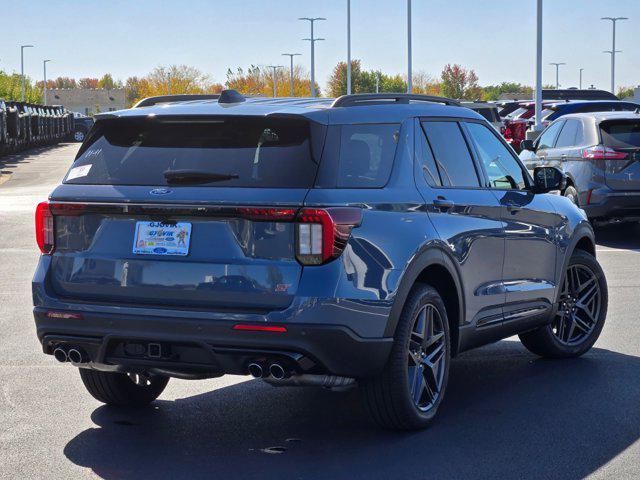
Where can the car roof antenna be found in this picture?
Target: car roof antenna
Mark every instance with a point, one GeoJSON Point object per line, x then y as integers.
{"type": "Point", "coordinates": [231, 96]}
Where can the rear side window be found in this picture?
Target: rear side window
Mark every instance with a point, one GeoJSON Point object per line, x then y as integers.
{"type": "Point", "coordinates": [569, 133]}
{"type": "Point", "coordinates": [366, 155]}
{"type": "Point", "coordinates": [621, 134]}
{"type": "Point", "coordinates": [491, 114]}
{"type": "Point", "coordinates": [266, 152]}
{"type": "Point", "coordinates": [451, 154]}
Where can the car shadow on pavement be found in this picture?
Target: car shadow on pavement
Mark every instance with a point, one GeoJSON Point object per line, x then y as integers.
{"type": "Point", "coordinates": [624, 235]}
{"type": "Point", "coordinates": [507, 414]}
{"type": "Point", "coordinates": [9, 161]}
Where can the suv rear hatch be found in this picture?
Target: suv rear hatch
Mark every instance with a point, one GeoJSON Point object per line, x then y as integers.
{"type": "Point", "coordinates": [621, 153]}
{"type": "Point", "coordinates": [185, 212]}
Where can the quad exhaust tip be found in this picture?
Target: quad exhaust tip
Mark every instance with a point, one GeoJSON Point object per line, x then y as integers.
{"type": "Point", "coordinates": [60, 355]}
{"type": "Point", "coordinates": [76, 355]}
{"type": "Point", "coordinates": [277, 371]}
{"type": "Point", "coordinates": [256, 370]}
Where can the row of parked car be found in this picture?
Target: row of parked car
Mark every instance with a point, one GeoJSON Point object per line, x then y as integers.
{"type": "Point", "coordinates": [24, 125]}
{"type": "Point", "coordinates": [591, 136]}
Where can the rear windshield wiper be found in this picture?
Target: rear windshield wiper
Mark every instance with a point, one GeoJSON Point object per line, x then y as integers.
{"type": "Point", "coordinates": [194, 177]}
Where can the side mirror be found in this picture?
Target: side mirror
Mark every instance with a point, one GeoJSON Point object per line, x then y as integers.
{"type": "Point", "coordinates": [546, 179]}
{"type": "Point", "coordinates": [527, 145]}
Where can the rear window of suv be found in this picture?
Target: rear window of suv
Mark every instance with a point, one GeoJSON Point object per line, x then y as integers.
{"type": "Point", "coordinates": [267, 152]}
{"type": "Point", "coordinates": [621, 134]}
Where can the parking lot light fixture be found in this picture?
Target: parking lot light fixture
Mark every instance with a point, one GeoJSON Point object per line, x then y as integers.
{"type": "Point", "coordinates": [291, 55]}
{"type": "Point", "coordinates": [409, 66]}
{"type": "Point", "coordinates": [313, 41]}
{"type": "Point", "coordinates": [613, 50]}
{"type": "Point", "coordinates": [557, 65]}
{"type": "Point", "coordinates": [275, 68]}
{"type": "Point", "coordinates": [22, 47]}
{"type": "Point", "coordinates": [44, 86]}
{"type": "Point", "coordinates": [538, 93]}
{"type": "Point", "coordinates": [348, 47]}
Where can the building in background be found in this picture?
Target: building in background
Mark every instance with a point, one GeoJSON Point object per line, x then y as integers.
{"type": "Point", "coordinates": [88, 101]}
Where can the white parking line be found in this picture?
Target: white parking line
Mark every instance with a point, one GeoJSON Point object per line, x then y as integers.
{"type": "Point", "coordinates": [618, 250]}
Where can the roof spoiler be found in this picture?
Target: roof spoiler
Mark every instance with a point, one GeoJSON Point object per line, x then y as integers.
{"type": "Point", "coordinates": [150, 101]}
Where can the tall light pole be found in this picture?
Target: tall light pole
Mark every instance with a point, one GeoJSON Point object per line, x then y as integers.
{"type": "Point", "coordinates": [22, 47]}
{"type": "Point", "coordinates": [557, 65]}
{"type": "Point", "coordinates": [613, 51]}
{"type": "Point", "coordinates": [44, 88]}
{"type": "Point", "coordinates": [275, 67]}
{"type": "Point", "coordinates": [348, 47]}
{"type": "Point", "coordinates": [538, 95]}
{"type": "Point", "coordinates": [291, 55]}
{"type": "Point", "coordinates": [409, 67]}
{"type": "Point", "coordinates": [581, 78]}
{"type": "Point", "coordinates": [313, 41]}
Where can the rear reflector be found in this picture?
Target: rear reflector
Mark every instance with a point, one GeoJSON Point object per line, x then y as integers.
{"type": "Point", "coordinates": [260, 328]}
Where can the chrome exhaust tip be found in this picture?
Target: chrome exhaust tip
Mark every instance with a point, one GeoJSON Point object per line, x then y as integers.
{"type": "Point", "coordinates": [277, 371]}
{"type": "Point", "coordinates": [60, 355]}
{"type": "Point", "coordinates": [76, 355]}
{"type": "Point", "coordinates": [256, 370]}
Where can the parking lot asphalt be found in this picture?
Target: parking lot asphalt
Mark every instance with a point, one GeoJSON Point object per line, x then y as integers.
{"type": "Point", "coordinates": [508, 414]}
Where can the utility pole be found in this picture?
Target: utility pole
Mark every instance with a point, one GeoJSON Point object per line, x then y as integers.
{"type": "Point", "coordinates": [348, 47]}
{"type": "Point", "coordinates": [313, 41]}
{"type": "Point", "coordinates": [22, 47]}
{"type": "Point", "coordinates": [275, 67]}
{"type": "Point", "coordinates": [44, 88]}
{"type": "Point", "coordinates": [557, 65]}
{"type": "Point", "coordinates": [538, 94]}
{"type": "Point", "coordinates": [581, 78]}
{"type": "Point", "coordinates": [291, 55]}
{"type": "Point", "coordinates": [409, 67]}
{"type": "Point", "coordinates": [613, 50]}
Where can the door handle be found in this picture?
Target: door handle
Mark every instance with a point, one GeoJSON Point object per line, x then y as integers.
{"type": "Point", "coordinates": [513, 209]}
{"type": "Point", "coordinates": [563, 156]}
{"type": "Point", "coordinates": [443, 204]}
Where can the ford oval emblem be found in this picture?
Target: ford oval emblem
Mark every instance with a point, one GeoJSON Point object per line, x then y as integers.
{"type": "Point", "coordinates": [160, 191]}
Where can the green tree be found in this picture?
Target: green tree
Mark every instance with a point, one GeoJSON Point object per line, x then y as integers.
{"type": "Point", "coordinates": [625, 92]}
{"type": "Point", "coordinates": [363, 81]}
{"type": "Point", "coordinates": [10, 88]}
{"type": "Point", "coordinates": [493, 92]}
{"type": "Point", "coordinates": [107, 82]}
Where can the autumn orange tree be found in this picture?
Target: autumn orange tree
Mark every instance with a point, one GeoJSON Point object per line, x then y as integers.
{"type": "Point", "coordinates": [256, 80]}
{"type": "Point", "coordinates": [458, 82]}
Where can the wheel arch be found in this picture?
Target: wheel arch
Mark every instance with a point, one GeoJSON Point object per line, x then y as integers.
{"type": "Point", "coordinates": [433, 267]}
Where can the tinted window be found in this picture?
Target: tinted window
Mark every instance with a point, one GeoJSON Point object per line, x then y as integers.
{"type": "Point", "coordinates": [451, 154]}
{"type": "Point", "coordinates": [242, 151]}
{"type": "Point", "coordinates": [366, 154]}
{"type": "Point", "coordinates": [427, 161]}
{"type": "Point", "coordinates": [549, 135]}
{"type": "Point", "coordinates": [567, 137]}
{"type": "Point", "coordinates": [503, 170]}
{"type": "Point", "coordinates": [490, 114]}
{"type": "Point", "coordinates": [621, 134]}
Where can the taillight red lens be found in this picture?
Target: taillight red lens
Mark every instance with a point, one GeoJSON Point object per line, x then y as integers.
{"type": "Point", "coordinates": [44, 228]}
{"type": "Point", "coordinates": [600, 152]}
{"type": "Point", "coordinates": [267, 214]}
{"type": "Point", "coordinates": [322, 233]}
{"type": "Point", "coordinates": [260, 328]}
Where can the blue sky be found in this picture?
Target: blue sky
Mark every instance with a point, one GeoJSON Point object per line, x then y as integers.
{"type": "Point", "coordinates": [494, 37]}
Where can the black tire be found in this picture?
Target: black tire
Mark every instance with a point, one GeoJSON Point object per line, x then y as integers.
{"type": "Point", "coordinates": [572, 194]}
{"type": "Point", "coordinates": [388, 396]}
{"type": "Point", "coordinates": [119, 389]}
{"type": "Point", "coordinates": [573, 331]}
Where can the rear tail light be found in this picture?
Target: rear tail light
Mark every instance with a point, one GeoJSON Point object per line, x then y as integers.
{"type": "Point", "coordinates": [45, 221]}
{"type": "Point", "coordinates": [600, 152]}
{"type": "Point", "coordinates": [259, 328]}
{"type": "Point", "coordinates": [322, 234]}
{"type": "Point", "coordinates": [44, 228]}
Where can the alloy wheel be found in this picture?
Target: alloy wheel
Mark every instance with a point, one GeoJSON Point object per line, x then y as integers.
{"type": "Point", "coordinates": [427, 357]}
{"type": "Point", "coordinates": [579, 308]}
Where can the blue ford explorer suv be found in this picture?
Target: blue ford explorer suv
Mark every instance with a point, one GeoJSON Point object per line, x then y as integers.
{"type": "Point", "coordinates": [364, 240]}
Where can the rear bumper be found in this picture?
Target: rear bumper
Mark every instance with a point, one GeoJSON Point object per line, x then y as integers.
{"type": "Point", "coordinates": [197, 349]}
{"type": "Point", "coordinates": [610, 204]}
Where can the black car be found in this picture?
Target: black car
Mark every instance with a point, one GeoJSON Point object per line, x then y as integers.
{"type": "Point", "coordinates": [600, 154]}
{"type": "Point", "coordinates": [81, 126]}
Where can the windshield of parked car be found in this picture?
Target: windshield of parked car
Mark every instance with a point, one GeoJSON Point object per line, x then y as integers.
{"type": "Point", "coordinates": [215, 151]}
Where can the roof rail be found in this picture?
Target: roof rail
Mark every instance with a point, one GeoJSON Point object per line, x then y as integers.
{"type": "Point", "coordinates": [387, 98]}
{"type": "Point", "coordinates": [150, 101]}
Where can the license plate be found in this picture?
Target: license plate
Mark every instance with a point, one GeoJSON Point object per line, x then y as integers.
{"type": "Point", "coordinates": [157, 238]}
